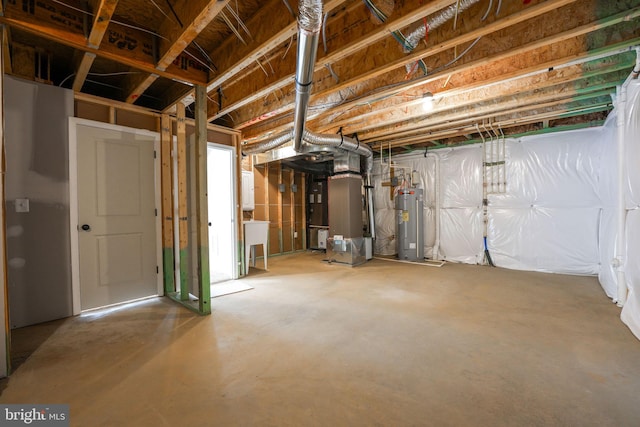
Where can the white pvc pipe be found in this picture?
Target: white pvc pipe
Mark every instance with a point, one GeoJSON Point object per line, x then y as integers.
{"type": "Point", "coordinates": [621, 212]}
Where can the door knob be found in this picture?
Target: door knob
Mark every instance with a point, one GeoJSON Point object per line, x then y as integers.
{"type": "Point", "coordinates": [85, 227]}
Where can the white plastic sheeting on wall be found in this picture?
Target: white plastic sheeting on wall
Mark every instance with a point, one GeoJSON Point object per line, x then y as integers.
{"type": "Point", "coordinates": [607, 185]}
{"type": "Point", "coordinates": [547, 220]}
{"type": "Point", "coordinates": [631, 310]}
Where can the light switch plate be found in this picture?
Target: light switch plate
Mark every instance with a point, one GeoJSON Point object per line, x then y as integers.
{"type": "Point", "coordinates": [22, 205]}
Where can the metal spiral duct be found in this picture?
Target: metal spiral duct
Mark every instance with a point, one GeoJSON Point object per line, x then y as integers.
{"type": "Point", "coordinates": [309, 25]}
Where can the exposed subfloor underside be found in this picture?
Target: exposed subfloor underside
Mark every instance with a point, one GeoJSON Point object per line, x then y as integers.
{"type": "Point", "coordinates": [380, 344]}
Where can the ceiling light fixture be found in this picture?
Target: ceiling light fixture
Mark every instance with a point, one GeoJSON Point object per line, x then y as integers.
{"type": "Point", "coordinates": [427, 102]}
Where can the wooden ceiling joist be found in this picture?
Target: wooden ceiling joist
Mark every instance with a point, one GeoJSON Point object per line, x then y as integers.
{"type": "Point", "coordinates": [125, 45]}
{"type": "Point", "coordinates": [474, 94]}
{"type": "Point", "coordinates": [367, 70]}
{"type": "Point", "coordinates": [522, 65]}
{"type": "Point", "coordinates": [101, 18]}
{"type": "Point", "coordinates": [246, 94]}
{"type": "Point", "coordinates": [560, 95]}
{"type": "Point", "coordinates": [234, 59]}
{"type": "Point", "coordinates": [174, 39]}
{"type": "Point", "coordinates": [561, 111]}
{"type": "Point", "coordinates": [399, 84]}
{"type": "Point", "coordinates": [531, 57]}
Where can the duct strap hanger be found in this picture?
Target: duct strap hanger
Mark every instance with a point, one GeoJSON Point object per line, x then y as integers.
{"type": "Point", "coordinates": [341, 136]}
{"type": "Point", "coordinates": [355, 136]}
{"type": "Point", "coordinates": [425, 151]}
{"type": "Point", "coordinates": [304, 84]}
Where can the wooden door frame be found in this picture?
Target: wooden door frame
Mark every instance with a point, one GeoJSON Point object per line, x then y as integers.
{"type": "Point", "coordinates": [73, 201]}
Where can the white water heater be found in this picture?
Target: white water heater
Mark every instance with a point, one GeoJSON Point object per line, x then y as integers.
{"type": "Point", "coordinates": [409, 224]}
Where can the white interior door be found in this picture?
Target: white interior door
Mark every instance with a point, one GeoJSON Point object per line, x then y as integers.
{"type": "Point", "coordinates": [222, 213]}
{"type": "Point", "coordinates": [117, 225]}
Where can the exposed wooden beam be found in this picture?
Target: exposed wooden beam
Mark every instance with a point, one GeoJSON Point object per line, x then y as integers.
{"type": "Point", "coordinates": [101, 18]}
{"type": "Point", "coordinates": [168, 246]}
{"type": "Point", "coordinates": [389, 119]}
{"type": "Point", "coordinates": [124, 45]}
{"type": "Point", "coordinates": [183, 225]}
{"type": "Point", "coordinates": [572, 40]}
{"type": "Point", "coordinates": [411, 11]}
{"type": "Point", "coordinates": [281, 27]}
{"type": "Point", "coordinates": [503, 123]}
{"type": "Point", "coordinates": [83, 70]}
{"type": "Point", "coordinates": [197, 14]}
{"type": "Point", "coordinates": [438, 56]}
{"type": "Point", "coordinates": [202, 216]}
{"type": "Point", "coordinates": [141, 84]}
{"type": "Point", "coordinates": [552, 97]}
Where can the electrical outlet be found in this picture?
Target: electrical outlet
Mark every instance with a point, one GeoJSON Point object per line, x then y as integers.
{"type": "Point", "coordinates": [295, 234]}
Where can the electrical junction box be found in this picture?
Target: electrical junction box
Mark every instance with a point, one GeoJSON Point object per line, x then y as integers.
{"type": "Point", "coordinates": [248, 191]}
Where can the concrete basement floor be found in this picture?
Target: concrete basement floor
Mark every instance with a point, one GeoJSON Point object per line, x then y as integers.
{"type": "Point", "coordinates": [384, 344]}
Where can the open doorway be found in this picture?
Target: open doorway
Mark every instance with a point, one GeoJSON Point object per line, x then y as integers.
{"type": "Point", "coordinates": [222, 213]}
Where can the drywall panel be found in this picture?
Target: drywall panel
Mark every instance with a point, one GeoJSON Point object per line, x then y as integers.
{"type": "Point", "coordinates": [38, 245]}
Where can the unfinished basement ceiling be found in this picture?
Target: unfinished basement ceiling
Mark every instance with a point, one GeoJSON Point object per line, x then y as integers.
{"type": "Point", "coordinates": [405, 75]}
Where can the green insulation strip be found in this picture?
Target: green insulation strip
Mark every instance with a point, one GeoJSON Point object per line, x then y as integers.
{"type": "Point", "coordinates": [184, 274]}
{"type": "Point", "coordinates": [169, 272]}
{"type": "Point", "coordinates": [205, 281]}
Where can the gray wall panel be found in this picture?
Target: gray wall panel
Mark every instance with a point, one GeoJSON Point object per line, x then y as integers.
{"type": "Point", "coordinates": [38, 246]}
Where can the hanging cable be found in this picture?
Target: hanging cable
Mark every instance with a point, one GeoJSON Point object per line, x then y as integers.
{"type": "Point", "coordinates": [486, 14]}
{"type": "Point", "coordinates": [324, 32]}
{"type": "Point", "coordinates": [454, 60]}
{"type": "Point", "coordinates": [240, 23]}
{"type": "Point", "coordinates": [333, 74]}
{"type": "Point", "coordinates": [120, 73]}
{"type": "Point", "coordinates": [286, 3]}
{"type": "Point", "coordinates": [160, 9]}
{"type": "Point", "coordinates": [288, 47]}
{"type": "Point", "coordinates": [232, 27]}
{"type": "Point", "coordinates": [174, 13]}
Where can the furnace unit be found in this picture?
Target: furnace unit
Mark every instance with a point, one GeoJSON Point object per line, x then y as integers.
{"type": "Point", "coordinates": [409, 224]}
{"type": "Point", "coordinates": [346, 242]}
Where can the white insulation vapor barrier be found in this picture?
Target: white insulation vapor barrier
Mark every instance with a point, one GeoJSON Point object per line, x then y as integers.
{"type": "Point", "coordinates": [631, 310]}
{"type": "Point", "coordinates": [558, 213]}
{"type": "Point", "coordinates": [547, 220]}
